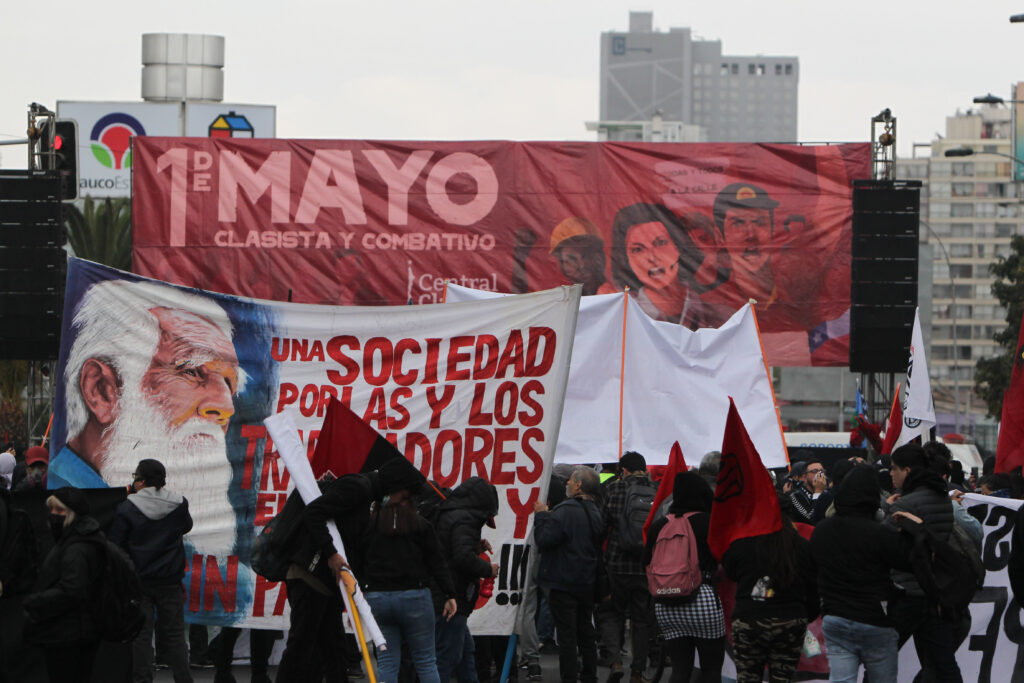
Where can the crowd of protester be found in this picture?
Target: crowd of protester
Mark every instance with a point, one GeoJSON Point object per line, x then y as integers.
{"type": "Point", "coordinates": [845, 552]}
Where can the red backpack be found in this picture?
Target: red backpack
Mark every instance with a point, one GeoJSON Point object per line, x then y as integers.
{"type": "Point", "coordinates": [674, 570]}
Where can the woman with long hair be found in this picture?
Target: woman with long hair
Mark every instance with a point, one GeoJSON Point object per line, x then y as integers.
{"type": "Point", "coordinates": [653, 255]}
{"type": "Point", "coordinates": [403, 557]}
{"type": "Point", "coordinates": [694, 623]}
{"type": "Point", "coordinates": [776, 596]}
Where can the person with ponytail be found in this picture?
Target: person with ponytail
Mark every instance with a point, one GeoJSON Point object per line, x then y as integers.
{"type": "Point", "coordinates": [776, 596]}
{"type": "Point", "coordinates": [403, 556]}
{"type": "Point", "coordinates": [921, 491]}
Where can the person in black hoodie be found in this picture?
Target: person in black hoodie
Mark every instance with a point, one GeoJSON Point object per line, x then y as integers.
{"type": "Point", "coordinates": [402, 556]}
{"type": "Point", "coordinates": [922, 492]}
{"type": "Point", "coordinates": [460, 520]}
{"type": "Point", "coordinates": [569, 540]}
{"type": "Point", "coordinates": [314, 647]}
{"type": "Point", "coordinates": [694, 623]}
{"type": "Point", "coordinates": [60, 612]}
{"type": "Point", "coordinates": [776, 595]}
{"type": "Point", "coordinates": [855, 555]}
{"type": "Point", "coordinates": [149, 526]}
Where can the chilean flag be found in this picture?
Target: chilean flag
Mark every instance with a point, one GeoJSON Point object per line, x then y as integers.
{"type": "Point", "coordinates": [830, 341]}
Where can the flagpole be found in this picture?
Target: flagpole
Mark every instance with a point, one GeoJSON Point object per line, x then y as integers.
{"type": "Point", "coordinates": [622, 364]}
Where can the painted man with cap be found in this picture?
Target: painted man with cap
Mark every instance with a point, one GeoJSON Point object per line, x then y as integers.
{"type": "Point", "coordinates": [150, 526]}
{"type": "Point", "coordinates": [746, 216]}
{"type": "Point", "coordinates": [577, 246]}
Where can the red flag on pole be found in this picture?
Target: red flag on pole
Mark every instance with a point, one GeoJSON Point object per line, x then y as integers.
{"type": "Point", "coordinates": [745, 500]}
{"type": "Point", "coordinates": [676, 464]}
{"type": "Point", "coordinates": [1010, 447]}
{"type": "Point", "coordinates": [894, 425]}
{"type": "Point", "coordinates": [347, 445]}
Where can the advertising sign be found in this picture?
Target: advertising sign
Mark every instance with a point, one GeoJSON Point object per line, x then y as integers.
{"type": "Point", "coordinates": [221, 120]}
{"type": "Point", "coordinates": [150, 370]}
{"type": "Point", "coordinates": [105, 130]}
{"type": "Point", "coordinates": [693, 230]}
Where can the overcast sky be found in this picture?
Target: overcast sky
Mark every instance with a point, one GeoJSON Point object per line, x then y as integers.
{"type": "Point", "coordinates": [523, 70]}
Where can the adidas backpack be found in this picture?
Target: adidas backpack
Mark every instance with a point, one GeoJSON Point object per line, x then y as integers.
{"type": "Point", "coordinates": [674, 570]}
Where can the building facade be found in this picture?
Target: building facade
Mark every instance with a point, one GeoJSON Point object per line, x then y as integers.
{"type": "Point", "coordinates": [970, 209]}
{"type": "Point", "coordinates": [686, 79]}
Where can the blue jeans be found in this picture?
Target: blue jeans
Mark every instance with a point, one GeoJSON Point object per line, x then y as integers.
{"type": "Point", "coordinates": [455, 651]}
{"type": "Point", "coordinates": [407, 615]}
{"type": "Point", "coordinates": [852, 643]}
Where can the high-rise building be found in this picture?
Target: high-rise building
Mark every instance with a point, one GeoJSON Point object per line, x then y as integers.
{"type": "Point", "coordinates": [969, 212]}
{"type": "Point", "coordinates": [688, 81]}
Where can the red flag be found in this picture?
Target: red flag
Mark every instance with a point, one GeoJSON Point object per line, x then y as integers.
{"type": "Point", "coordinates": [676, 464]}
{"type": "Point", "coordinates": [1010, 447]}
{"type": "Point", "coordinates": [894, 424]}
{"type": "Point", "coordinates": [745, 500]}
{"type": "Point", "coordinates": [347, 445]}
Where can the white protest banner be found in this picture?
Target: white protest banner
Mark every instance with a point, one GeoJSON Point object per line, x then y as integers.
{"type": "Point", "coordinates": [190, 376]}
{"type": "Point", "coordinates": [671, 384]}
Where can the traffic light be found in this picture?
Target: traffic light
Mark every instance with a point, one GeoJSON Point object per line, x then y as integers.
{"type": "Point", "coordinates": [63, 155]}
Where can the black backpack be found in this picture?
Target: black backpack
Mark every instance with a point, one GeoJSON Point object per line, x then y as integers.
{"type": "Point", "coordinates": [117, 607]}
{"type": "Point", "coordinates": [271, 552]}
{"type": "Point", "coordinates": [637, 505]}
{"type": "Point", "coordinates": [949, 572]}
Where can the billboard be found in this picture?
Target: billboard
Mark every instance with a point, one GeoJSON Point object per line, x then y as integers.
{"type": "Point", "coordinates": [105, 131]}
{"type": "Point", "coordinates": [693, 230]}
{"type": "Point", "coordinates": [150, 370]}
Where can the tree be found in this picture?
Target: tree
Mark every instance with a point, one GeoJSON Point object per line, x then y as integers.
{"type": "Point", "coordinates": [992, 375]}
{"type": "Point", "coordinates": [102, 231]}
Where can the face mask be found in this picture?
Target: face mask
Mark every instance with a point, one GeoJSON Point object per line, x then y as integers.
{"type": "Point", "coordinates": [57, 525]}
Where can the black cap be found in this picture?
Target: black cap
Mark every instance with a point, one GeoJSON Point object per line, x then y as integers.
{"type": "Point", "coordinates": [741, 196]}
{"type": "Point", "coordinates": [73, 499]}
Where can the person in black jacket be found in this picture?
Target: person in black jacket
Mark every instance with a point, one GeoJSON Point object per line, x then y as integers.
{"type": "Point", "coordinates": [460, 520]}
{"type": "Point", "coordinates": [402, 556]}
{"type": "Point", "coordinates": [60, 612]}
{"type": "Point", "coordinates": [149, 526]}
{"type": "Point", "coordinates": [776, 595]}
{"type": "Point", "coordinates": [314, 647]}
{"type": "Point", "coordinates": [695, 623]}
{"type": "Point", "coordinates": [922, 492]}
{"type": "Point", "coordinates": [855, 555]}
{"type": "Point", "coordinates": [569, 540]}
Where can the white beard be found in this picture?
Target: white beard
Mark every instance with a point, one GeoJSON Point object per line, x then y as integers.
{"type": "Point", "coordinates": [195, 455]}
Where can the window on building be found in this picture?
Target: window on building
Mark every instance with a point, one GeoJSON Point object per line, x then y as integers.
{"type": "Point", "coordinates": [760, 69]}
{"type": "Point", "coordinates": [941, 168]}
{"type": "Point", "coordinates": [958, 250]}
{"type": "Point", "coordinates": [981, 271]}
{"type": "Point", "coordinates": [789, 69]}
{"type": "Point", "coordinates": [965, 210]}
{"type": "Point", "coordinates": [982, 230]}
{"type": "Point", "coordinates": [942, 189]}
{"type": "Point", "coordinates": [961, 189]}
{"type": "Point", "coordinates": [1006, 210]}
{"type": "Point", "coordinates": [778, 69]}
{"type": "Point", "coordinates": [939, 209]}
{"type": "Point", "coordinates": [735, 69]}
{"type": "Point", "coordinates": [959, 270]}
{"type": "Point", "coordinates": [965, 168]}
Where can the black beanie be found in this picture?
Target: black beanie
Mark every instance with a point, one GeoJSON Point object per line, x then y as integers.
{"type": "Point", "coordinates": [398, 474]}
{"type": "Point", "coordinates": [858, 492]}
{"type": "Point", "coordinates": [691, 493]}
{"type": "Point", "coordinates": [73, 499]}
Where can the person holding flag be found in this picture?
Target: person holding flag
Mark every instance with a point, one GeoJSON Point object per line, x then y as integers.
{"type": "Point", "coordinates": [776, 592]}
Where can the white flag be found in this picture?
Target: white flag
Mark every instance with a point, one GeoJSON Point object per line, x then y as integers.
{"type": "Point", "coordinates": [918, 410]}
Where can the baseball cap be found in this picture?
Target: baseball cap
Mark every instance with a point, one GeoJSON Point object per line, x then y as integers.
{"type": "Point", "coordinates": [37, 454]}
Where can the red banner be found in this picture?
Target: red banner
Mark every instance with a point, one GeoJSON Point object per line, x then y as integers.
{"type": "Point", "coordinates": [694, 230]}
